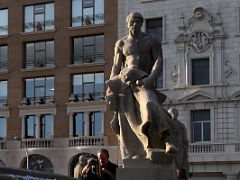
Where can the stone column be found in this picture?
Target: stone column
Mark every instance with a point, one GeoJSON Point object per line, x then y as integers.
{"type": "Point", "coordinates": [86, 124]}
{"type": "Point", "coordinates": [71, 124]}
{"type": "Point", "coordinates": [37, 127]}
{"type": "Point", "coordinates": [23, 127]}
{"type": "Point", "coordinates": [102, 123]}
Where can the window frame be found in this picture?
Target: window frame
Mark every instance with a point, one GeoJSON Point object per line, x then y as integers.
{"type": "Point", "coordinates": [192, 78]}
{"type": "Point", "coordinates": [34, 22]}
{"type": "Point", "coordinates": [45, 62]}
{"type": "Point", "coordinates": [5, 34]}
{"type": "Point", "coordinates": [160, 81]}
{"type": "Point", "coordinates": [202, 128]}
{"type": "Point", "coordinates": [81, 13]}
{"type": "Point", "coordinates": [42, 99]}
{"type": "Point", "coordinates": [87, 96]}
{"type": "Point", "coordinates": [95, 58]}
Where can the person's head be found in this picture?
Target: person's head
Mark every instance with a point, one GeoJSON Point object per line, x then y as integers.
{"type": "Point", "coordinates": [173, 112]}
{"type": "Point", "coordinates": [82, 160]}
{"type": "Point", "coordinates": [103, 156]}
{"type": "Point", "coordinates": [134, 21]}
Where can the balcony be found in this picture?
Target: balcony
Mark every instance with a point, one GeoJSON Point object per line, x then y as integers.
{"type": "Point", "coordinates": [87, 141]}
{"type": "Point", "coordinates": [89, 58]}
{"type": "Point", "coordinates": [37, 100]}
{"type": "Point", "coordinates": [37, 143]}
{"type": "Point", "coordinates": [214, 152]}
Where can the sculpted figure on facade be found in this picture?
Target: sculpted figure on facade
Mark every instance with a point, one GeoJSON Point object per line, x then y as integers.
{"type": "Point", "coordinates": [140, 121]}
{"type": "Point", "coordinates": [180, 140]}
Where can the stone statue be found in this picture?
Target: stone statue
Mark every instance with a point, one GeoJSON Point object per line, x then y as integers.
{"type": "Point", "coordinates": [140, 121]}
{"type": "Point", "coordinates": [180, 140]}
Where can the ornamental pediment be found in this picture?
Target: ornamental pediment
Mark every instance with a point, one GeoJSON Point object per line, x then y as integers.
{"type": "Point", "coordinates": [199, 30]}
{"type": "Point", "coordinates": [197, 96]}
{"type": "Point", "coordinates": [236, 95]}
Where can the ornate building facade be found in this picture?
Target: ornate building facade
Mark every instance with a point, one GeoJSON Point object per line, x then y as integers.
{"type": "Point", "coordinates": [200, 75]}
{"type": "Point", "coordinates": [54, 59]}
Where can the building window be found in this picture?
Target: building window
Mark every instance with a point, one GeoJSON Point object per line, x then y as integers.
{"type": "Point", "coordinates": [88, 86]}
{"type": "Point", "coordinates": [3, 92]}
{"type": "Point", "coordinates": [201, 125]}
{"type": "Point", "coordinates": [86, 12]}
{"type": "Point", "coordinates": [78, 124]}
{"type": "Point", "coordinates": [39, 17]}
{"type": "Point", "coordinates": [3, 22]}
{"type": "Point", "coordinates": [45, 126]}
{"type": "Point", "coordinates": [39, 90]}
{"type": "Point", "coordinates": [88, 49]}
{"type": "Point", "coordinates": [39, 54]}
{"type": "Point", "coordinates": [3, 58]}
{"type": "Point", "coordinates": [96, 123]}
{"type": "Point", "coordinates": [155, 27]}
{"type": "Point", "coordinates": [200, 71]}
{"type": "Point", "coordinates": [30, 126]}
{"type": "Point", "coordinates": [3, 127]}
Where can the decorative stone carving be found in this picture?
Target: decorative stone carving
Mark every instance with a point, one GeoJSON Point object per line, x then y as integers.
{"type": "Point", "coordinates": [174, 73]}
{"type": "Point", "coordinates": [199, 41]}
{"type": "Point", "coordinates": [227, 70]}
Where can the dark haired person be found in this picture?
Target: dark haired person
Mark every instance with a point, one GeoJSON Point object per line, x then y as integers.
{"type": "Point", "coordinates": [100, 169]}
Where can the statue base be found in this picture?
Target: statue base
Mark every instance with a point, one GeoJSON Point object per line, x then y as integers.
{"type": "Point", "coordinates": [145, 169]}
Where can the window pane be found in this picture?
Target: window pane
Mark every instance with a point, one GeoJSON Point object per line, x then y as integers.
{"type": "Point", "coordinates": [49, 53]}
{"type": "Point", "coordinates": [2, 128]}
{"type": "Point", "coordinates": [99, 12]}
{"type": "Point", "coordinates": [200, 71]}
{"type": "Point", "coordinates": [3, 90]}
{"type": "Point", "coordinates": [206, 131]}
{"type": "Point", "coordinates": [78, 50]}
{"type": "Point", "coordinates": [78, 125]}
{"type": "Point", "coordinates": [30, 127]}
{"type": "Point", "coordinates": [197, 130]}
{"type": "Point", "coordinates": [77, 84]}
{"type": "Point", "coordinates": [28, 18]}
{"type": "Point", "coordinates": [99, 48]}
{"type": "Point", "coordinates": [49, 16]}
{"type": "Point", "coordinates": [96, 123]}
{"type": "Point", "coordinates": [46, 126]}
{"type": "Point", "coordinates": [76, 13]}
{"type": "Point", "coordinates": [3, 58]}
{"type": "Point", "coordinates": [4, 22]}
{"type": "Point", "coordinates": [49, 86]}
{"type": "Point", "coordinates": [30, 55]}
{"type": "Point", "coordinates": [29, 88]}
{"type": "Point", "coordinates": [154, 26]}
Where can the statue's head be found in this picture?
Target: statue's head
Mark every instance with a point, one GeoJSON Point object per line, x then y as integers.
{"type": "Point", "coordinates": [173, 112]}
{"type": "Point", "coordinates": [134, 17]}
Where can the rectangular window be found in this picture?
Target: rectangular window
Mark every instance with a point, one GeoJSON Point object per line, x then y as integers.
{"type": "Point", "coordinates": [30, 126]}
{"type": "Point", "coordinates": [3, 58]}
{"type": "Point", "coordinates": [78, 124]}
{"type": "Point", "coordinates": [3, 92]}
{"type": "Point", "coordinates": [88, 49]}
{"type": "Point", "coordinates": [3, 22]}
{"type": "Point", "coordinates": [88, 86]}
{"type": "Point", "coordinates": [3, 127]}
{"type": "Point", "coordinates": [201, 126]}
{"type": "Point", "coordinates": [46, 126]}
{"type": "Point", "coordinates": [39, 17]}
{"type": "Point", "coordinates": [39, 54]}
{"type": "Point", "coordinates": [39, 90]}
{"type": "Point", "coordinates": [86, 12]}
{"type": "Point", "coordinates": [96, 123]}
{"type": "Point", "coordinates": [155, 27]}
{"type": "Point", "coordinates": [200, 71]}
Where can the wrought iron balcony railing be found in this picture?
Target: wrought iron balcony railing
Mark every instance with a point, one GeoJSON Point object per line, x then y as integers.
{"type": "Point", "coordinates": [32, 63]}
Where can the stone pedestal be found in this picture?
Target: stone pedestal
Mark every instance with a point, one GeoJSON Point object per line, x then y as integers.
{"type": "Point", "coordinates": [144, 169]}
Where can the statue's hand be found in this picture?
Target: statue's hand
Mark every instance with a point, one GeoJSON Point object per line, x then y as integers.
{"type": "Point", "coordinates": [145, 82]}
